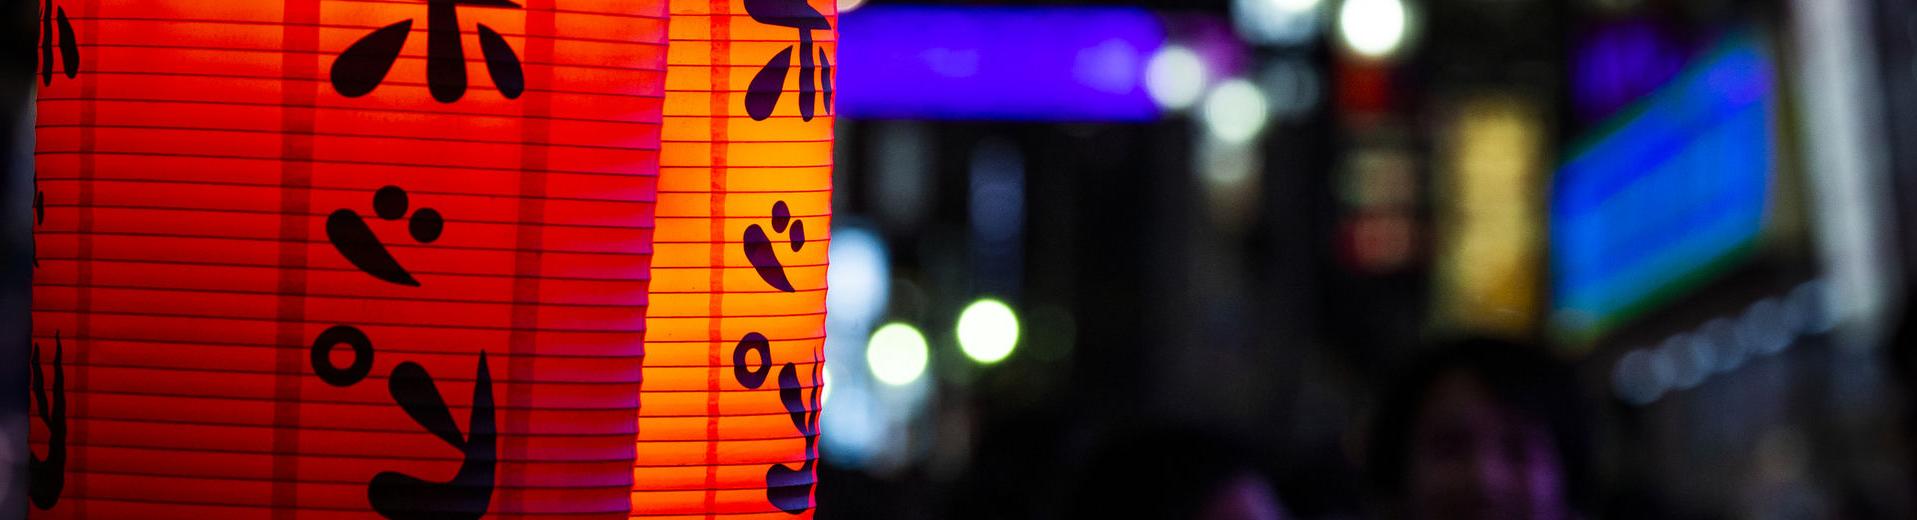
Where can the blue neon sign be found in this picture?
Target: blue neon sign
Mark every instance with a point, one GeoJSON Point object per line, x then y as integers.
{"type": "Point", "coordinates": [1674, 190]}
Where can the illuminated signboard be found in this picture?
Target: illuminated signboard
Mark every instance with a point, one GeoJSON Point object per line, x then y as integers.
{"type": "Point", "coordinates": [997, 63]}
{"type": "Point", "coordinates": [1669, 193]}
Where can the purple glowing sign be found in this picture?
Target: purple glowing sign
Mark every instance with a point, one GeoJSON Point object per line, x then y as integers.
{"type": "Point", "coordinates": [997, 63]}
{"type": "Point", "coordinates": [1618, 63]}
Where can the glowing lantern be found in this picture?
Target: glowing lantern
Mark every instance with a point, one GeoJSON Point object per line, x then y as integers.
{"type": "Point", "coordinates": [736, 327]}
{"type": "Point", "coordinates": [331, 259]}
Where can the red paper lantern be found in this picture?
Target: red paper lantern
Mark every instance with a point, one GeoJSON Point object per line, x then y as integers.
{"type": "Point", "coordinates": [736, 327]}
{"type": "Point", "coordinates": [332, 259]}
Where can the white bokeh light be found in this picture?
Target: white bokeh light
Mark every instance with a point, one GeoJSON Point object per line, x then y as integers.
{"type": "Point", "coordinates": [1276, 22]}
{"type": "Point", "coordinates": [1373, 28]}
{"type": "Point", "coordinates": [1236, 111]}
{"type": "Point", "coordinates": [1295, 6]}
{"type": "Point", "coordinates": [1175, 77]}
{"type": "Point", "coordinates": [897, 354]}
{"type": "Point", "coordinates": [988, 331]}
{"type": "Point", "coordinates": [859, 276]}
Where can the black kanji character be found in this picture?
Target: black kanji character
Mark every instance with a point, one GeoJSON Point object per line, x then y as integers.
{"type": "Point", "coordinates": [47, 476]}
{"type": "Point", "coordinates": [405, 497]}
{"type": "Point", "coordinates": [364, 65]}
{"type": "Point", "coordinates": [69, 45]}
{"type": "Point", "coordinates": [759, 251]}
{"type": "Point", "coordinates": [469, 494]}
{"type": "Point", "coordinates": [355, 240]}
{"type": "Point", "coordinates": [791, 489]}
{"type": "Point", "coordinates": [788, 489]}
{"type": "Point", "coordinates": [323, 355]}
{"type": "Point", "coordinates": [762, 95]}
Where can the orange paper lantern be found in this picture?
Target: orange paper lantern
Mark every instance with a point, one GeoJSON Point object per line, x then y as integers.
{"type": "Point", "coordinates": [734, 349]}
{"type": "Point", "coordinates": [331, 259]}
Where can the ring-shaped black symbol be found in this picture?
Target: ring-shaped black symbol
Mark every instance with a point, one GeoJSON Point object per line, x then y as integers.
{"type": "Point", "coordinates": [362, 355]}
{"type": "Point", "coordinates": [752, 378]}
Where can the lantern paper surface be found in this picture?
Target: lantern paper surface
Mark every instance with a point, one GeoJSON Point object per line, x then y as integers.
{"type": "Point", "coordinates": [728, 424]}
{"type": "Point", "coordinates": [342, 259]}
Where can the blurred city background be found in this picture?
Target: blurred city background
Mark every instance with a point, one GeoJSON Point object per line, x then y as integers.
{"type": "Point", "coordinates": [1078, 225]}
{"type": "Point", "coordinates": [1130, 249]}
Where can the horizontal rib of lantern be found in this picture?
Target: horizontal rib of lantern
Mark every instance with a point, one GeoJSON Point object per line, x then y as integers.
{"type": "Point", "coordinates": [708, 442]}
{"type": "Point", "coordinates": [192, 174]}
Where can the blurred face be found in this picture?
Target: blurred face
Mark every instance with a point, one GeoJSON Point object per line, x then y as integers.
{"type": "Point", "coordinates": [1245, 497]}
{"type": "Point", "coordinates": [1472, 457]}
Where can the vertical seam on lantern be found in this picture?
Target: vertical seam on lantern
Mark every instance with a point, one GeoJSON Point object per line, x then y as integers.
{"type": "Point", "coordinates": [78, 430]}
{"type": "Point", "coordinates": [529, 262]}
{"type": "Point", "coordinates": [299, 65]}
{"type": "Point", "coordinates": [720, 87]}
{"type": "Point", "coordinates": [664, 12]}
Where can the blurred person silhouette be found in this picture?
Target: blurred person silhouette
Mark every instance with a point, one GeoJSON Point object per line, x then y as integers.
{"type": "Point", "coordinates": [1175, 474]}
{"type": "Point", "coordinates": [1481, 429]}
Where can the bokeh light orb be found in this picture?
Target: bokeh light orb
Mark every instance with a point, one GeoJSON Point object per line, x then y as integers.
{"type": "Point", "coordinates": [1175, 77]}
{"type": "Point", "coordinates": [988, 331]}
{"type": "Point", "coordinates": [1373, 28]}
{"type": "Point", "coordinates": [897, 354]}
